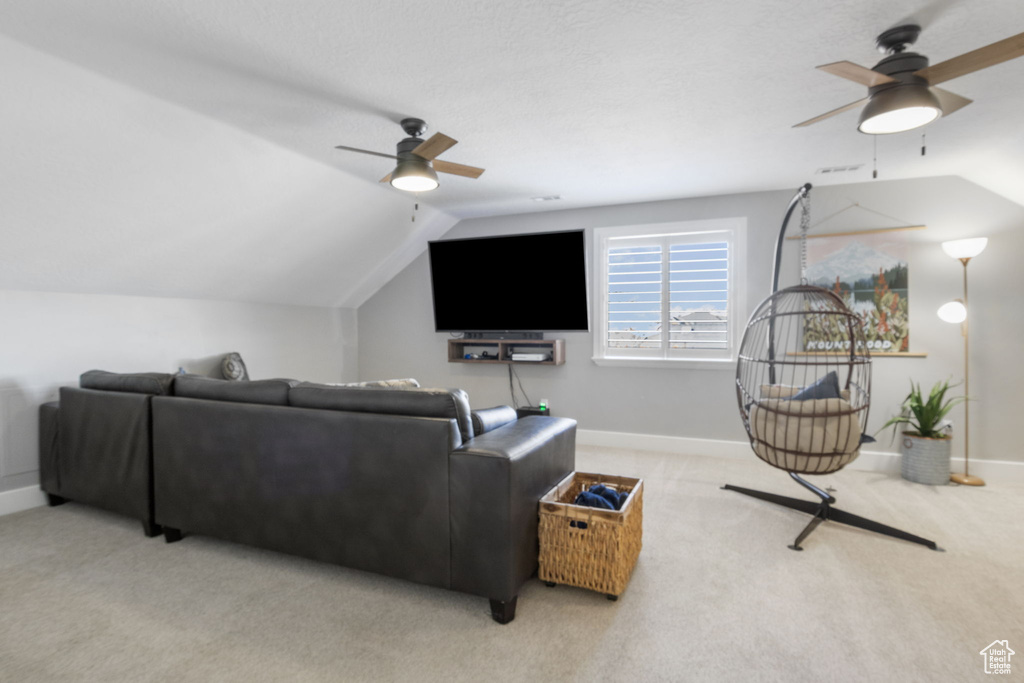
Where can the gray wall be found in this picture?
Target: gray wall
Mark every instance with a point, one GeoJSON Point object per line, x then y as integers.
{"type": "Point", "coordinates": [48, 339]}
{"type": "Point", "coordinates": [396, 337]}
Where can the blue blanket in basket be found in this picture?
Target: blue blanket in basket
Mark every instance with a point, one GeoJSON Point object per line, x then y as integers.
{"type": "Point", "coordinates": [600, 496]}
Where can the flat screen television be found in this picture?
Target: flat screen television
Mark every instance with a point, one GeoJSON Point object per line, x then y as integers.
{"type": "Point", "coordinates": [514, 283]}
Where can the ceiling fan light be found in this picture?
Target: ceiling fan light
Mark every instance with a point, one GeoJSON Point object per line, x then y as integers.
{"type": "Point", "coordinates": [412, 175]}
{"type": "Point", "coordinates": [898, 109]}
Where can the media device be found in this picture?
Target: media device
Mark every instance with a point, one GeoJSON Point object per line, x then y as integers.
{"type": "Point", "coordinates": [531, 357]}
{"type": "Point", "coordinates": [513, 283]}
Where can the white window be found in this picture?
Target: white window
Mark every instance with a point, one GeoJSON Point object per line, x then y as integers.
{"type": "Point", "coordinates": [669, 292]}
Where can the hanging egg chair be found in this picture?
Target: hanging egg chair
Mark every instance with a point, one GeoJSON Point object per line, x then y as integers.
{"type": "Point", "coordinates": [806, 412]}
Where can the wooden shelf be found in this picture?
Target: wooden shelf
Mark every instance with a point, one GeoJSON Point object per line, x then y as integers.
{"type": "Point", "coordinates": [500, 351]}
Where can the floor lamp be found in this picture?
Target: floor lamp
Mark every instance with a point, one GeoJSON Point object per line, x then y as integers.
{"type": "Point", "coordinates": [956, 312]}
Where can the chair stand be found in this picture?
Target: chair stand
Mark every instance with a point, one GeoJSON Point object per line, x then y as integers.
{"type": "Point", "coordinates": [824, 512]}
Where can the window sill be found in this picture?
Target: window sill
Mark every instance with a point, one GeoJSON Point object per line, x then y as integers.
{"type": "Point", "coordinates": [676, 363]}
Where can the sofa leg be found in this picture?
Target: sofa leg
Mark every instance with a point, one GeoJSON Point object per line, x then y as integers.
{"type": "Point", "coordinates": [54, 500]}
{"type": "Point", "coordinates": [504, 611]}
{"type": "Point", "coordinates": [172, 535]}
{"type": "Point", "coordinates": [151, 529]}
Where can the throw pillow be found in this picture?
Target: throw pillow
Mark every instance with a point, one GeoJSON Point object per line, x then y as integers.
{"type": "Point", "coordinates": [233, 367]}
{"type": "Point", "coordinates": [826, 387]}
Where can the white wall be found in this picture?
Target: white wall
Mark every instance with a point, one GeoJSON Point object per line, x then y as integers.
{"type": "Point", "coordinates": [109, 190]}
{"type": "Point", "coordinates": [48, 339]}
{"type": "Point", "coordinates": [397, 338]}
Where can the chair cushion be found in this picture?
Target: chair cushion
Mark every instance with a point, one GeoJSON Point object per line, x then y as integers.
{"type": "Point", "coordinates": [156, 383]}
{"type": "Point", "coordinates": [267, 391]}
{"type": "Point", "coordinates": [417, 402]}
{"type": "Point", "coordinates": [812, 436]}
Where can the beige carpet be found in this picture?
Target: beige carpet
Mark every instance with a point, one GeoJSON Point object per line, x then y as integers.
{"type": "Point", "coordinates": [84, 596]}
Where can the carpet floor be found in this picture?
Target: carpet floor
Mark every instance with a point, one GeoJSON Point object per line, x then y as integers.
{"type": "Point", "coordinates": [716, 595]}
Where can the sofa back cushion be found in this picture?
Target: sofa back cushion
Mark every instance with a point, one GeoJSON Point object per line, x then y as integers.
{"type": "Point", "coordinates": [267, 391]}
{"type": "Point", "coordinates": [156, 383]}
{"type": "Point", "coordinates": [417, 402]}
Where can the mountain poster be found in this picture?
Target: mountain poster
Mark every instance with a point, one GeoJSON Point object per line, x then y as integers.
{"type": "Point", "coordinates": [868, 271]}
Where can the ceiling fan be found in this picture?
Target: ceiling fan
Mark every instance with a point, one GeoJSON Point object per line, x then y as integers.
{"type": "Point", "coordinates": [901, 88]}
{"type": "Point", "coordinates": [417, 159]}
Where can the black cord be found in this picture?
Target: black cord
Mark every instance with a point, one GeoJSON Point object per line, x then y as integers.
{"type": "Point", "coordinates": [520, 382]}
{"type": "Point", "coordinates": [511, 387]}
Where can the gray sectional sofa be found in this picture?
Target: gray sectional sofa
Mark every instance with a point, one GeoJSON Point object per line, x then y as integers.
{"type": "Point", "coordinates": [410, 483]}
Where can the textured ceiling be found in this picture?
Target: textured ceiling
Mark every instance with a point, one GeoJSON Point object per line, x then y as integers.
{"type": "Point", "coordinates": [599, 101]}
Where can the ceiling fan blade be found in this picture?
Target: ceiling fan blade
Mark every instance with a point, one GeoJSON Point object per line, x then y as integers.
{"type": "Point", "coordinates": [856, 73]}
{"type": "Point", "coordinates": [949, 101]}
{"type": "Point", "coordinates": [457, 169]}
{"type": "Point", "coordinates": [434, 146]}
{"type": "Point", "coordinates": [366, 151]}
{"type": "Point", "coordinates": [975, 60]}
{"type": "Point", "coordinates": [840, 110]}
{"type": "Point", "coordinates": [386, 179]}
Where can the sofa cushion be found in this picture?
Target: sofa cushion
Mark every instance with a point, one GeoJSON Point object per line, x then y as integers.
{"type": "Point", "coordinates": [407, 383]}
{"type": "Point", "coordinates": [488, 419]}
{"type": "Point", "coordinates": [157, 383]}
{"type": "Point", "coordinates": [418, 402]}
{"type": "Point", "coordinates": [268, 391]}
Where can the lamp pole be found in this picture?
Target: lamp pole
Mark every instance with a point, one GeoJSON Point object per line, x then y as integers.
{"type": "Point", "coordinates": [966, 477]}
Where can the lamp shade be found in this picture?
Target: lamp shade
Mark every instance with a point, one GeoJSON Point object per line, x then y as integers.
{"type": "Point", "coordinates": [897, 109]}
{"type": "Point", "coordinates": [968, 248]}
{"type": "Point", "coordinates": [953, 311]}
{"type": "Point", "coordinates": [414, 175]}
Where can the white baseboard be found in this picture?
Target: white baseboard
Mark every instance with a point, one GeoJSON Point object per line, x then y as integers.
{"type": "Point", "coordinates": [871, 461]}
{"type": "Point", "coordinates": [21, 499]}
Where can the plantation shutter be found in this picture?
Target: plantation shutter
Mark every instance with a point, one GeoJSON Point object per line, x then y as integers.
{"type": "Point", "coordinates": [699, 295]}
{"type": "Point", "coordinates": [668, 295]}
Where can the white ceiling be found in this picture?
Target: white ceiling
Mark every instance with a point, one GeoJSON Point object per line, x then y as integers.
{"type": "Point", "coordinates": [599, 101]}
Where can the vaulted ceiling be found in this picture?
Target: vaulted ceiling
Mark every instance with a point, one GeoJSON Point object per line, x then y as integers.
{"type": "Point", "coordinates": [186, 149]}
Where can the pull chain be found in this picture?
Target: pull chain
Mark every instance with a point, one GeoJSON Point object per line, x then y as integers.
{"type": "Point", "coordinates": [923, 147]}
{"type": "Point", "coordinates": [874, 170]}
{"type": "Point", "coordinates": [415, 207]}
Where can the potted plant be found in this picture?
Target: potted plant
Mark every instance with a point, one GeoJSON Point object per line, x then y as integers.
{"type": "Point", "coordinates": [926, 449]}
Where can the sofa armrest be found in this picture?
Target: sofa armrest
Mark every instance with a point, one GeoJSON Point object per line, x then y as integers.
{"type": "Point", "coordinates": [495, 483]}
{"type": "Point", "coordinates": [49, 479]}
{"type": "Point", "coordinates": [489, 419]}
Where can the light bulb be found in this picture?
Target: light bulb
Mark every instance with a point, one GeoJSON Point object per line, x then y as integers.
{"type": "Point", "coordinates": [899, 121]}
{"type": "Point", "coordinates": [968, 248]}
{"type": "Point", "coordinates": [412, 183]}
{"type": "Point", "coordinates": [953, 311]}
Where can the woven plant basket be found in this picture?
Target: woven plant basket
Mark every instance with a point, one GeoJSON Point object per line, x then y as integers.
{"type": "Point", "coordinates": [590, 547]}
{"type": "Point", "coordinates": [925, 461]}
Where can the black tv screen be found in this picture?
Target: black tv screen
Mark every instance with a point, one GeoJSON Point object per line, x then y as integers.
{"type": "Point", "coordinates": [515, 283]}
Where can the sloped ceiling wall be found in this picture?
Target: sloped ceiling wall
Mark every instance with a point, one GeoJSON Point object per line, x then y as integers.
{"type": "Point", "coordinates": [209, 151]}
{"type": "Point", "coordinates": [110, 190]}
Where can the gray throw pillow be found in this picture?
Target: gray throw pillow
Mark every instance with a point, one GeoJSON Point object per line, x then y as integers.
{"type": "Point", "coordinates": [826, 387]}
{"type": "Point", "coordinates": [233, 367]}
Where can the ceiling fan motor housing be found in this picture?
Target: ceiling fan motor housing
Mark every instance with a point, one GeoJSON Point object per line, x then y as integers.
{"type": "Point", "coordinates": [902, 66]}
{"type": "Point", "coordinates": [406, 146]}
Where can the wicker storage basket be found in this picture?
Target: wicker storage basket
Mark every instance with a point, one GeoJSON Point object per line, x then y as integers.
{"type": "Point", "coordinates": [590, 547]}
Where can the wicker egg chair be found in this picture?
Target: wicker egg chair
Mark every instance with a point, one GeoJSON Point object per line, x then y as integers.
{"type": "Point", "coordinates": [806, 413]}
